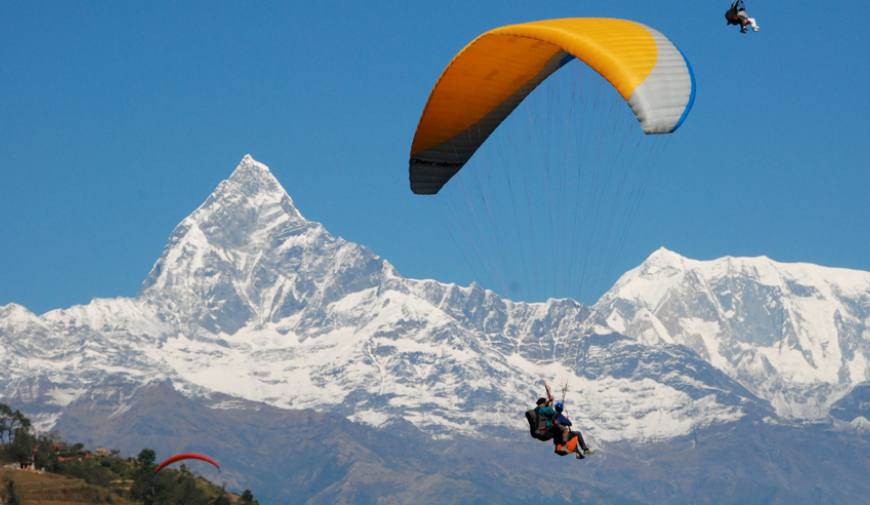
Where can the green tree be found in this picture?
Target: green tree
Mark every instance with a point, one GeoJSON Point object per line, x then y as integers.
{"type": "Point", "coordinates": [45, 456]}
{"type": "Point", "coordinates": [248, 497]}
{"type": "Point", "coordinates": [145, 486]}
{"type": "Point", "coordinates": [146, 457]}
{"type": "Point", "coordinates": [10, 421]}
{"type": "Point", "coordinates": [5, 418]}
{"type": "Point", "coordinates": [221, 499]}
{"type": "Point", "coordinates": [10, 496]}
{"type": "Point", "coordinates": [186, 492]}
{"type": "Point", "coordinates": [22, 447]}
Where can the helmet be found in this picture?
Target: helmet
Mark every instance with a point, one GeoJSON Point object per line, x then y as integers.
{"type": "Point", "coordinates": [559, 406]}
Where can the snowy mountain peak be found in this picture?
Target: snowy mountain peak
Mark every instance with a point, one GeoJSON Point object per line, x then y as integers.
{"type": "Point", "coordinates": [244, 214]}
{"type": "Point", "coordinates": [661, 263]}
{"type": "Point", "coordinates": [251, 184]}
{"type": "Point", "coordinates": [247, 256]}
{"type": "Point", "coordinates": [251, 175]}
{"type": "Point", "coordinates": [664, 255]}
{"type": "Point", "coordinates": [15, 310]}
{"type": "Point", "coordinates": [793, 333]}
{"type": "Point", "coordinates": [17, 316]}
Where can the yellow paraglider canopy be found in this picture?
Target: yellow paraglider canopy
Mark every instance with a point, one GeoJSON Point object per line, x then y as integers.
{"type": "Point", "coordinates": [488, 79]}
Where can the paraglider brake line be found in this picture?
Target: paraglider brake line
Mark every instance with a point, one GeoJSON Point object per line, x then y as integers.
{"type": "Point", "coordinates": [436, 163]}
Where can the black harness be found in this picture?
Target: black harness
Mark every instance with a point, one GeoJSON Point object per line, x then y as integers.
{"type": "Point", "coordinates": [731, 16]}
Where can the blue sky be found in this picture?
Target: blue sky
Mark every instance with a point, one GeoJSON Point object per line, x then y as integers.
{"type": "Point", "coordinates": [117, 119]}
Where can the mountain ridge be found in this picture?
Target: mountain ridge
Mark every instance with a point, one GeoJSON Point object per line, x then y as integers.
{"type": "Point", "coordinates": [250, 299]}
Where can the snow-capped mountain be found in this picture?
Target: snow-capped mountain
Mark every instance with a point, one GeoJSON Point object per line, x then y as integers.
{"type": "Point", "coordinates": [252, 300]}
{"type": "Point", "coordinates": [795, 334]}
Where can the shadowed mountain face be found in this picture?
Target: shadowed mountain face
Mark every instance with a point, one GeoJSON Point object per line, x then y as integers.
{"type": "Point", "coordinates": [292, 457]}
{"type": "Point", "coordinates": [854, 405]}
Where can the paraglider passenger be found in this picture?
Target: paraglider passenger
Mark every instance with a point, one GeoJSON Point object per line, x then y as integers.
{"type": "Point", "coordinates": [737, 15]}
{"type": "Point", "coordinates": [564, 425]}
{"type": "Point", "coordinates": [561, 424]}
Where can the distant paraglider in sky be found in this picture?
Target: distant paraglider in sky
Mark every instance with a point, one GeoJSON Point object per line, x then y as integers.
{"type": "Point", "coordinates": [736, 15]}
{"type": "Point", "coordinates": [184, 456]}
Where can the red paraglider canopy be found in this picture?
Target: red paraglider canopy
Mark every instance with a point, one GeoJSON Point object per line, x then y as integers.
{"type": "Point", "coordinates": [187, 455]}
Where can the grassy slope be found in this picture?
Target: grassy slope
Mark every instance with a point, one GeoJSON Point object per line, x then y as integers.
{"type": "Point", "coordinates": [50, 489]}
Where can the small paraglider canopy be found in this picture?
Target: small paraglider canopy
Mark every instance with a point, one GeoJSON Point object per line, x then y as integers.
{"type": "Point", "coordinates": [186, 455]}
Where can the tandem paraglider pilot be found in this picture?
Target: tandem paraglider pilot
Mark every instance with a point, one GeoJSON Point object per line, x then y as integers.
{"type": "Point", "coordinates": [547, 422]}
{"type": "Point", "coordinates": [736, 15]}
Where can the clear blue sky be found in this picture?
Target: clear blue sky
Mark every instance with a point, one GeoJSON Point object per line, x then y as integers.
{"type": "Point", "coordinates": [118, 118]}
